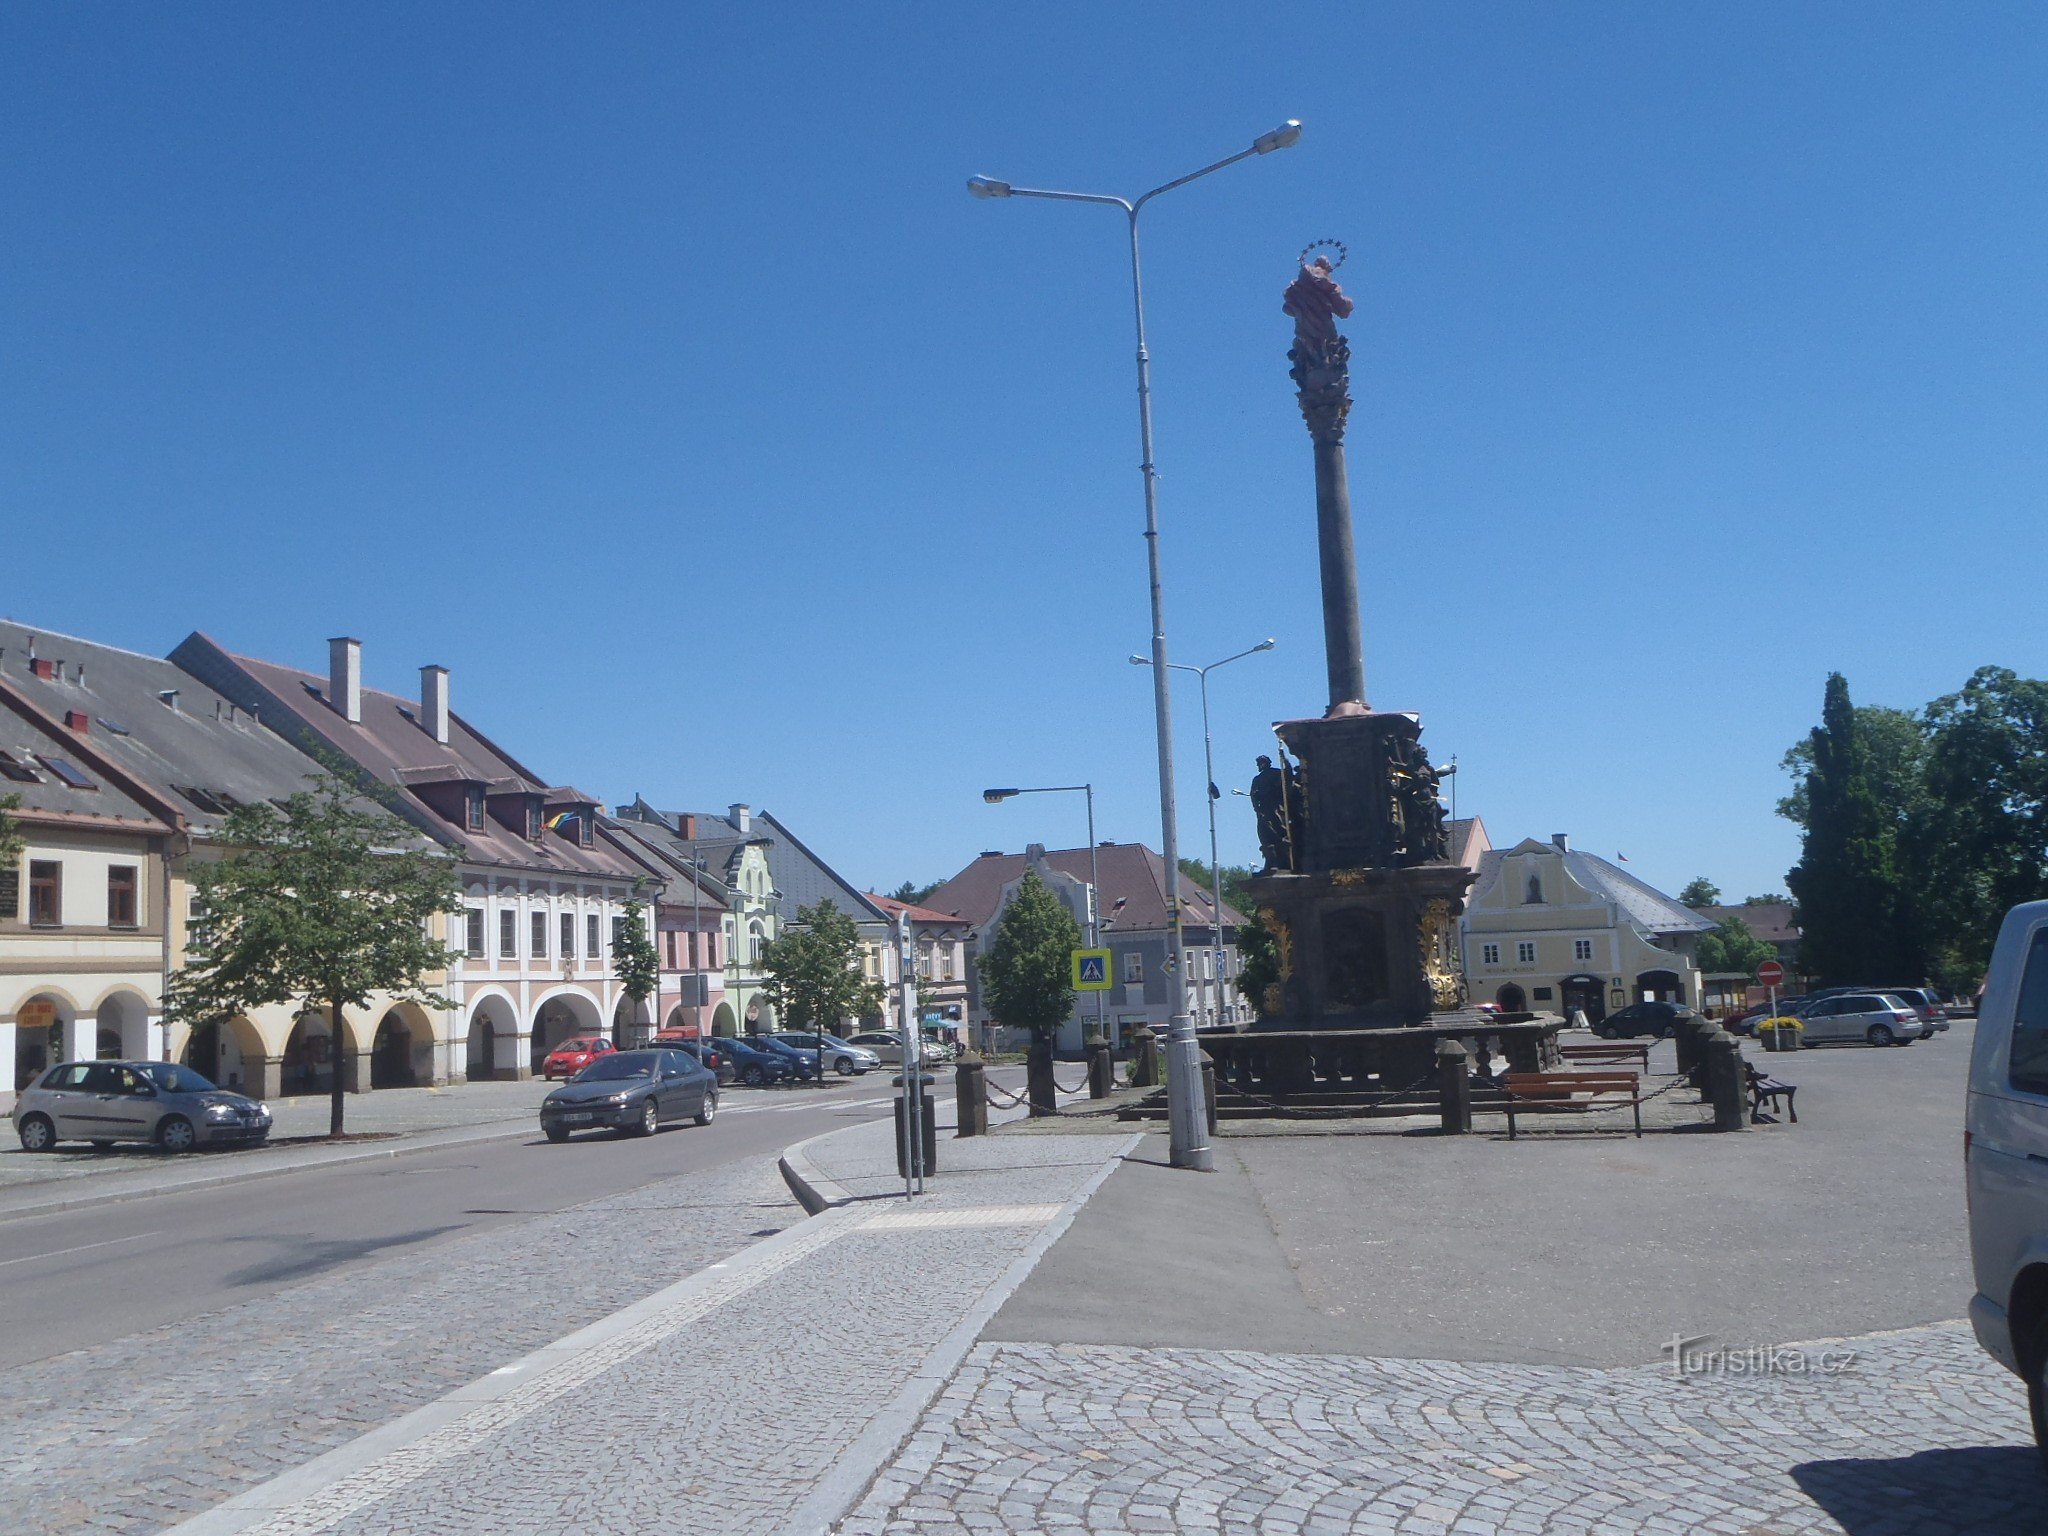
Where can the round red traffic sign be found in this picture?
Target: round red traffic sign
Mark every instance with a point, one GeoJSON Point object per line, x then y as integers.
{"type": "Point", "coordinates": [1770, 973]}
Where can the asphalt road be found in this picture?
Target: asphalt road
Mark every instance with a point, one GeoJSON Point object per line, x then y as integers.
{"type": "Point", "coordinates": [80, 1277]}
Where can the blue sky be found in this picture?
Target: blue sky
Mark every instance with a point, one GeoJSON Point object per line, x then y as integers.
{"type": "Point", "coordinates": [649, 366]}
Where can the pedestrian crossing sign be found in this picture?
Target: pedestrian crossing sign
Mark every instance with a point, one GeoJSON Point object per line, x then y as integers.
{"type": "Point", "coordinates": [1091, 970]}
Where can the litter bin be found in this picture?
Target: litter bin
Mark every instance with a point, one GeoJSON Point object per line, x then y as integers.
{"type": "Point", "coordinates": [929, 1127]}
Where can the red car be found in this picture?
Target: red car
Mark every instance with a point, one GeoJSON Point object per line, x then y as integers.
{"type": "Point", "coordinates": [572, 1056]}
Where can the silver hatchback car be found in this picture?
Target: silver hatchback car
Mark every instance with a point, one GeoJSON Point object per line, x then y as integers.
{"type": "Point", "coordinates": [160, 1102]}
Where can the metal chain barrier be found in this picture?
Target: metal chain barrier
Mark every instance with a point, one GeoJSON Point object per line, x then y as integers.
{"type": "Point", "coordinates": [1060, 1087]}
{"type": "Point", "coordinates": [999, 1098]}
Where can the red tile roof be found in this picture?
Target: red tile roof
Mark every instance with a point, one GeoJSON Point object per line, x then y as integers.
{"type": "Point", "coordinates": [1130, 873]}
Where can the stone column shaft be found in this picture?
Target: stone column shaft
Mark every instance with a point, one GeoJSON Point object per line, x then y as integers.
{"type": "Point", "coordinates": [1343, 640]}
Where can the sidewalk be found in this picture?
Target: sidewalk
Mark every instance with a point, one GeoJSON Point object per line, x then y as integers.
{"type": "Point", "coordinates": [760, 1394]}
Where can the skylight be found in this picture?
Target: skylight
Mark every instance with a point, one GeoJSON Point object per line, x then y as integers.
{"type": "Point", "coordinates": [111, 726]}
{"type": "Point", "coordinates": [18, 771]}
{"type": "Point", "coordinates": [64, 770]}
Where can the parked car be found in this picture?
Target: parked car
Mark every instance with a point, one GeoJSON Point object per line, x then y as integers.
{"type": "Point", "coordinates": [1657, 1020]}
{"type": "Point", "coordinates": [572, 1056]}
{"type": "Point", "coordinates": [803, 1064]}
{"type": "Point", "coordinates": [1847, 1017]}
{"type": "Point", "coordinates": [752, 1065]}
{"type": "Point", "coordinates": [705, 1051]}
{"type": "Point", "coordinates": [888, 1048]}
{"type": "Point", "coordinates": [1925, 1002]}
{"type": "Point", "coordinates": [633, 1093]}
{"type": "Point", "coordinates": [841, 1056]}
{"type": "Point", "coordinates": [2005, 1158]}
{"type": "Point", "coordinates": [155, 1101]}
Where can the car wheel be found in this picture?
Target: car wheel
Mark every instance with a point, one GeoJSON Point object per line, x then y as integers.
{"type": "Point", "coordinates": [175, 1134]}
{"type": "Point", "coordinates": [843, 1066]}
{"type": "Point", "coordinates": [555, 1132]}
{"type": "Point", "coordinates": [1666, 1031]}
{"type": "Point", "coordinates": [1604, 1031]}
{"type": "Point", "coordinates": [753, 1077]}
{"type": "Point", "coordinates": [708, 1109]}
{"type": "Point", "coordinates": [37, 1133]}
{"type": "Point", "coordinates": [650, 1119]}
{"type": "Point", "coordinates": [1880, 1034]}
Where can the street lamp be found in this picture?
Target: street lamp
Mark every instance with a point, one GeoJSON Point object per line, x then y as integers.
{"type": "Point", "coordinates": [998, 796]}
{"type": "Point", "coordinates": [1186, 1117]}
{"type": "Point", "coordinates": [1215, 794]}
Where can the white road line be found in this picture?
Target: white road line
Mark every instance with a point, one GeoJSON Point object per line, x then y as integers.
{"type": "Point", "coordinates": [58, 1253]}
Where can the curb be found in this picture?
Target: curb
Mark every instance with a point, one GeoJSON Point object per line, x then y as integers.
{"type": "Point", "coordinates": [421, 1143]}
{"type": "Point", "coordinates": [807, 1181]}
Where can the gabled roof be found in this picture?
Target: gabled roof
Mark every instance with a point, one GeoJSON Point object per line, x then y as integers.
{"type": "Point", "coordinates": [917, 914]}
{"type": "Point", "coordinates": [653, 846]}
{"type": "Point", "coordinates": [201, 751]}
{"type": "Point", "coordinates": [1130, 873]}
{"type": "Point", "coordinates": [30, 743]}
{"type": "Point", "coordinates": [392, 745]}
{"type": "Point", "coordinates": [1644, 905]}
{"type": "Point", "coordinates": [1775, 922]}
{"type": "Point", "coordinates": [804, 879]}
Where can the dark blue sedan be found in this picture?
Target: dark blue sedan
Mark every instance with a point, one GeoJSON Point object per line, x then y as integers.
{"type": "Point", "coordinates": [752, 1065]}
{"type": "Point", "coordinates": [632, 1092]}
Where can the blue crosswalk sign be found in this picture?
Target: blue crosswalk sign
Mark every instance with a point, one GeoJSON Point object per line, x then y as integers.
{"type": "Point", "coordinates": [1091, 970]}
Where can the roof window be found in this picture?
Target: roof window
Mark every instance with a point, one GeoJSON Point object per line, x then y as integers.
{"type": "Point", "coordinates": [17, 770]}
{"type": "Point", "coordinates": [112, 728]}
{"type": "Point", "coordinates": [65, 770]}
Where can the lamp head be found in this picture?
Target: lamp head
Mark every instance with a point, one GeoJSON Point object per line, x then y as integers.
{"type": "Point", "coordinates": [1266, 644]}
{"type": "Point", "coordinates": [997, 796]}
{"type": "Point", "coordinates": [988, 186]}
{"type": "Point", "coordinates": [1141, 661]}
{"type": "Point", "coordinates": [1286, 136]}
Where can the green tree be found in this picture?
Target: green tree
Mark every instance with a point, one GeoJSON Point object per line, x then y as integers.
{"type": "Point", "coordinates": [913, 894]}
{"type": "Point", "coordinates": [634, 960]}
{"type": "Point", "coordinates": [1700, 892]}
{"type": "Point", "coordinates": [1978, 842]}
{"type": "Point", "coordinates": [1846, 883]}
{"type": "Point", "coordinates": [1777, 897]}
{"type": "Point", "coordinates": [1258, 962]}
{"type": "Point", "coordinates": [326, 901]}
{"type": "Point", "coordinates": [1730, 948]}
{"type": "Point", "coordinates": [10, 832]}
{"type": "Point", "coordinates": [1027, 978]}
{"type": "Point", "coordinates": [1234, 877]}
{"type": "Point", "coordinates": [815, 977]}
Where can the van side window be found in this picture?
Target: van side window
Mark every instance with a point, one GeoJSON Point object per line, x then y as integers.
{"type": "Point", "coordinates": [2029, 1070]}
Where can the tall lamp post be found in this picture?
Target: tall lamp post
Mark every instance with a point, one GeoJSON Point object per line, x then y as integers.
{"type": "Point", "coordinates": [1188, 1122]}
{"type": "Point", "coordinates": [998, 796]}
{"type": "Point", "coordinates": [1209, 776]}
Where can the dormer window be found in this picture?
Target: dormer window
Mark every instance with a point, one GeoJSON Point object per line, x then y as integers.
{"type": "Point", "coordinates": [473, 808]}
{"type": "Point", "coordinates": [1534, 898]}
{"type": "Point", "coordinates": [586, 828]}
{"type": "Point", "coordinates": [533, 821]}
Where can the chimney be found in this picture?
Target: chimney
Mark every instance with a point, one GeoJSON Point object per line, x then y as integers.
{"type": "Point", "coordinates": [434, 702]}
{"type": "Point", "coordinates": [686, 825]}
{"type": "Point", "coordinates": [742, 817]}
{"type": "Point", "coordinates": [345, 678]}
{"type": "Point", "coordinates": [1562, 840]}
{"type": "Point", "coordinates": [78, 720]}
{"type": "Point", "coordinates": [42, 667]}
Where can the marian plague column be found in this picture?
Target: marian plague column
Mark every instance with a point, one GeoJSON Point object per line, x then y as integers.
{"type": "Point", "coordinates": [1357, 886]}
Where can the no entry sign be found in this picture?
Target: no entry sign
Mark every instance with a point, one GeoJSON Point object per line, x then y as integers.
{"type": "Point", "coordinates": [1770, 973]}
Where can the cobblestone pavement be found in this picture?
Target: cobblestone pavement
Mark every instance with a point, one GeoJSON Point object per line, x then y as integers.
{"type": "Point", "coordinates": [132, 1435]}
{"type": "Point", "coordinates": [727, 1411]}
{"type": "Point", "coordinates": [1919, 1436]}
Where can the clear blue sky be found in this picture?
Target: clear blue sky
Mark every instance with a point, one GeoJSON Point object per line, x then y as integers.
{"type": "Point", "coordinates": [649, 366]}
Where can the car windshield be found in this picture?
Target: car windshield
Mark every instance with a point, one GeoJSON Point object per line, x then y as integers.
{"type": "Point", "coordinates": [619, 1064]}
{"type": "Point", "coordinates": [169, 1077]}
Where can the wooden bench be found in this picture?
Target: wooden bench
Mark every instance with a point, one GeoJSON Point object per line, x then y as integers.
{"type": "Point", "coordinates": [1554, 1093]}
{"type": "Point", "coordinates": [1613, 1052]}
{"type": "Point", "coordinates": [1768, 1090]}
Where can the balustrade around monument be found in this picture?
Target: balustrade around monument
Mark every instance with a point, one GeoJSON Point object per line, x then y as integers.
{"type": "Point", "coordinates": [1332, 1065]}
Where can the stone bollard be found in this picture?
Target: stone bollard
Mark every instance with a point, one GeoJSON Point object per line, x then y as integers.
{"type": "Point", "coordinates": [1209, 1090]}
{"type": "Point", "coordinates": [1725, 1088]}
{"type": "Point", "coordinates": [970, 1098]}
{"type": "Point", "coordinates": [1101, 1069]}
{"type": "Point", "coordinates": [1144, 1057]}
{"type": "Point", "coordinates": [1454, 1086]}
{"type": "Point", "coordinates": [1686, 1037]}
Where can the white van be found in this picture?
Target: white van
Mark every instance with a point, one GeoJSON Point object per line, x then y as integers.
{"type": "Point", "coordinates": [2005, 1153]}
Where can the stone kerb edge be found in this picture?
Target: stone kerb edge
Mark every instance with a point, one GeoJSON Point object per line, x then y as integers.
{"type": "Point", "coordinates": [814, 1190]}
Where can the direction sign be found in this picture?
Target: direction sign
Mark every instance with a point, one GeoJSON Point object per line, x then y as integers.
{"type": "Point", "coordinates": [1091, 970]}
{"type": "Point", "coordinates": [1770, 973]}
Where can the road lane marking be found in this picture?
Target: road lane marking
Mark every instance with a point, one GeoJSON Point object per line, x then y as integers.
{"type": "Point", "coordinates": [58, 1253]}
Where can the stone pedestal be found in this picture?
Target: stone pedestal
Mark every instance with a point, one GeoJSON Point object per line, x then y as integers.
{"type": "Point", "coordinates": [1364, 948]}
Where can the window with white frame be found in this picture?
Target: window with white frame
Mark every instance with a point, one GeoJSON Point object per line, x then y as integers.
{"type": "Point", "coordinates": [1525, 952]}
{"type": "Point", "coordinates": [1489, 954]}
{"type": "Point", "coordinates": [1582, 949]}
{"type": "Point", "coordinates": [1134, 966]}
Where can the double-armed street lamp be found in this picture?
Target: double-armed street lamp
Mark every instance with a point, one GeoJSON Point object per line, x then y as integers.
{"type": "Point", "coordinates": [998, 796]}
{"type": "Point", "coordinates": [1209, 776]}
{"type": "Point", "coordinates": [1187, 1119]}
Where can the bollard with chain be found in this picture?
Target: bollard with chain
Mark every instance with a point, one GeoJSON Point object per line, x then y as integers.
{"type": "Point", "coordinates": [1723, 1060]}
{"type": "Point", "coordinates": [970, 1096]}
{"type": "Point", "coordinates": [1144, 1057]}
{"type": "Point", "coordinates": [1454, 1086]}
{"type": "Point", "coordinates": [1101, 1069]}
{"type": "Point", "coordinates": [1686, 1036]}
